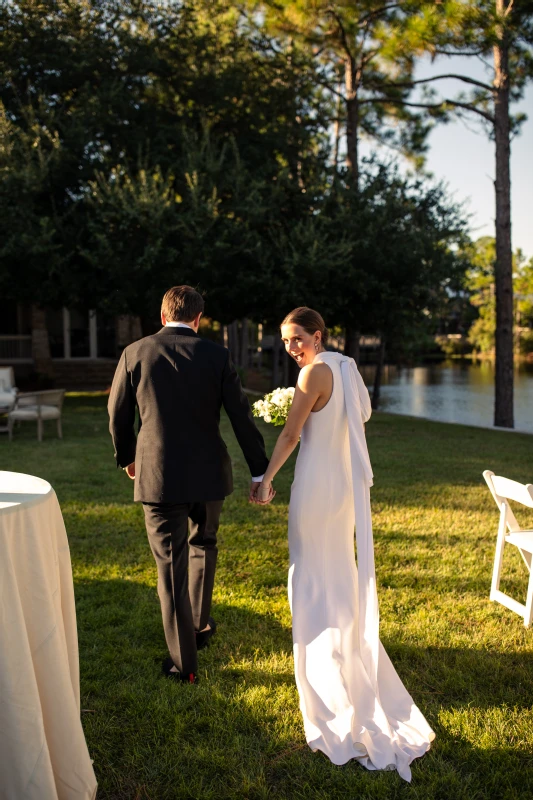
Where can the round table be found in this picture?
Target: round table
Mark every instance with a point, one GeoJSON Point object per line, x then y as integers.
{"type": "Point", "coordinates": [43, 753]}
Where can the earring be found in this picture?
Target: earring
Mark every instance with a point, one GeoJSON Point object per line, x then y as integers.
{"type": "Point", "coordinates": [316, 346]}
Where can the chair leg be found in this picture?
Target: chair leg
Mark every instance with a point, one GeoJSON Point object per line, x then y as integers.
{"type": "Point", "coordinates": [10, 423]}
{"type": "Point", "coordinates": [59, 428]}
{"type": "Point", "coordinates": [528, 616]}
{"type": "Point", "coordinates": [40, 430]}
{"type": "Point", "coordinates": [498, 556]}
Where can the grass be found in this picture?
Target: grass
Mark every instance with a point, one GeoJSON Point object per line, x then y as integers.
{"type": "Point", "coordinates": [238, 735]}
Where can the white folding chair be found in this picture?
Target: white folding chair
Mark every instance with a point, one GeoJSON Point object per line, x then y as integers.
{"type": "Point", "coordinates": [503, 490]}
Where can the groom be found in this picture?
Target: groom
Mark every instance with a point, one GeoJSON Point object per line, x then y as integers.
{"type": "Point", "coordinates": [180, 463]}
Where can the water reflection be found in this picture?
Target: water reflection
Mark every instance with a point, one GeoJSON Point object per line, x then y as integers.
{"type": "Point", "coordinates": [452, 392]}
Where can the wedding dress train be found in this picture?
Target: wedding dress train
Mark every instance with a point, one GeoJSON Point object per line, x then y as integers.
{"type": "Point", "coordinates": [353, 703]}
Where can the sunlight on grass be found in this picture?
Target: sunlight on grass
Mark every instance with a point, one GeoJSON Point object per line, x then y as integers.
{"type": "Point", "coordinates": [238, 734]}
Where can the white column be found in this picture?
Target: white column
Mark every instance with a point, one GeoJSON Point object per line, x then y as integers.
{"type": "Point", "coordinates": [93, 335]}
{"type": "Point", "coordinates": [66, 333]}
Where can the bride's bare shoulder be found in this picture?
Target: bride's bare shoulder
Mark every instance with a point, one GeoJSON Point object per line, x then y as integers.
{"type": "Point", "coordinates": [317, 376]}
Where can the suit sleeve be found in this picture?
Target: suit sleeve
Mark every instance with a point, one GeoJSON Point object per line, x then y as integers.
{"type": "Point", "coordinates": [239, 412]}
{"type": "Point", "coordinates": [121, 408]}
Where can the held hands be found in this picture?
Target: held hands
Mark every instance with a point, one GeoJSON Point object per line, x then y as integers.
{"type": "Point", "coordinates": [262, 493]}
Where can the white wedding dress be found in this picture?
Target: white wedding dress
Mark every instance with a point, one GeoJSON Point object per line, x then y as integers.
{"type": "Point", "coordinates": [353, 703]}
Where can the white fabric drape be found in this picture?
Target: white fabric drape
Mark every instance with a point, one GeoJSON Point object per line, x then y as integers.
{"type": "Point", "coordinates": [43, 754]}
{"type": "Point", "coordinates": [358, 411]}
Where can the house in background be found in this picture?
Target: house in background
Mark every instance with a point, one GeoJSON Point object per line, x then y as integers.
{"type": "Point", "coordinates": [80, 348]}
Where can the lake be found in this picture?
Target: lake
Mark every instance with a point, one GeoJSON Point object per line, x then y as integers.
{"type": "Point", "coordinates": [452, 392]}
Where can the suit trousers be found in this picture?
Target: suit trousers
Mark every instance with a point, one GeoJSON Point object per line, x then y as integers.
{"type": "Point", "coordinates": [183, 539]}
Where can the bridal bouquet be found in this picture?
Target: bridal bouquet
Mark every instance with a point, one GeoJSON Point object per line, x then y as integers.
{"type": "Point", "coordinates": [275, 407]}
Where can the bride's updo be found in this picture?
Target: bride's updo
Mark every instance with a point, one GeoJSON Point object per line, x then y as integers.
{"type": "Point", "coordinates": [309, 320]}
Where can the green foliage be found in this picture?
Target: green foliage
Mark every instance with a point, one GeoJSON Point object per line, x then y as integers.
{"type": "Point", "coordinates": [239, 734]}
{"type": "Point", "coordinates": [453, 346]}
{"type": "Point", "coordinates": [480, 281]}
{"type": "Point", "coordinates": [468, 27]}
{"type": "Point", "coordinates": [345, 39]}
{"type": "Point", "coordinates": [158, 144]}
{"type": "Point", "coordinates": [526, 343]}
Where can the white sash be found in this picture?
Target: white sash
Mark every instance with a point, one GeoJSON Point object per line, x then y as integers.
{"type": "Point", "coordinates": [358, 410]}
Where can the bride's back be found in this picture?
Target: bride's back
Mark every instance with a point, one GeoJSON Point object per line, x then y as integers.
{"type": "Point", "coordinates": [323, 464]}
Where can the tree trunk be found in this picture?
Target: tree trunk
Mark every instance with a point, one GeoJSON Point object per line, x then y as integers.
{"type": "Point", "coordinates": [233, 341]}
{"type": "Point", "coordinates": [379, 374]}
{"type": "Point", "coordinates": [352, 118]}
{"type": "Point", "coordinates": [40, 344]}
{"type": "Point", "coordinates": [337, 135]}
{"type": "Point", "coordinates": [244, 343]}
{"type": "Point", "coordinates": [276, 346]}
{"type": "Point", "coordinates": [504, 372]}
{"type": "Point", "coordinates": [351, 346]}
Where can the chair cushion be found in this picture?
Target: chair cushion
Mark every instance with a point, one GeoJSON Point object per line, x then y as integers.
{"type": "Point", "coordinates": [521, 539]}
{"type": "Point", "coordinates": [7, 398]}
{"type": "Point", "coordinates": [31, 412]}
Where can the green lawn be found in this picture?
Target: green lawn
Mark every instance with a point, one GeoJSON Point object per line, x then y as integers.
{"type": "Point", "coordinates": [467, 662]}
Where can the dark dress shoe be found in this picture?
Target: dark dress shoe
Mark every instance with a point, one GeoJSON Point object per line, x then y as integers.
{"type": "Point", "coordinates": [181, 677]}
{"type": "Point", "coordinates": [203, 637]}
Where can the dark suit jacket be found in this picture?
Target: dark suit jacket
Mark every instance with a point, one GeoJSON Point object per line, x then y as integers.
{"type": "Point", "coordinates": [179, 382]}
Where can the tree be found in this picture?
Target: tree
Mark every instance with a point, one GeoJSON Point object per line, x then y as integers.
{"type": "Point", "coordinates": [486, 29]}
{"type": "Point", "coordinates": [128, 92]}
{"type": "Point", "coordinates": [481, 281]}
{"type": "Point", "coordinates": [482, 255]}
{"type": "Point", "coordinates": [56, 129]}
{"type": "Point", "coordinates": [411, 247]}
{"type": "Point", "coordinates": [349, 45]}
{"type": "Point", "coordinates": [31, 257]}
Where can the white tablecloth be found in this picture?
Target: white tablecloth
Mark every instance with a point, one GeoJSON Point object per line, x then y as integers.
{"type": "Point", "coordinates": [43, 754]}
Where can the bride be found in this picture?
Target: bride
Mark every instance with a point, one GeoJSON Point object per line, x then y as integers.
{"type": "Point", "coordinates": [353, 703]}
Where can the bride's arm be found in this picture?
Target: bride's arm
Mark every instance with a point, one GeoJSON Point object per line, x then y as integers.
{"type": "Point", "coordinates": [309, 388]}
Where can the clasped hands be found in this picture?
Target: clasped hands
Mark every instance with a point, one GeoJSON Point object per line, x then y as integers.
{"type": "Point", "coordinates": [261, 493]}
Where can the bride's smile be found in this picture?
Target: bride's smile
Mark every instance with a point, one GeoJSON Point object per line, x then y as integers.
{"type": "Point", "coordinates": [299, 344]}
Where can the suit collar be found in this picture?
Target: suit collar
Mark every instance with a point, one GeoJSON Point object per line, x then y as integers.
{"type": "Point", "coordinates": [165, 331]}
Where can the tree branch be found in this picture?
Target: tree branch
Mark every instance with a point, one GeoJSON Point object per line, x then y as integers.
{"type": "Point", "coordinates": [440, 52]}
{"type": "Point", "coordinates": [377, 12]}
{"type": "Point", "coordinates": [327, 85]}
{"type": "Point", "coordinates": [433, 106]}
{"type": "Point", "coordinates": [344, 38]}
{"type": "Point", "coordinates": [368, 56]}
{"type": "Point", "coordinates": [463, 78]}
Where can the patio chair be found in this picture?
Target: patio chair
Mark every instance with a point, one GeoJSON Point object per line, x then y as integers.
{"type": "Point", "coordinates": [8, 390]}
{"type": "Point", "coordinates": [509, 532]}
{"type": "Point", "coordinates": [37, 407]}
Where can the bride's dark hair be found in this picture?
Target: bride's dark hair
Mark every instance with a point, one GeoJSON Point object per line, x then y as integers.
{"type": "Point", "coordinates": [311, 321]}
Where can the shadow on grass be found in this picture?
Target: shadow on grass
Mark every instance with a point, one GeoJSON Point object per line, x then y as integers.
{"type": "Point", "coordinates": [119, 621]}
{"type": "Point", "coordinates": [238, 734]}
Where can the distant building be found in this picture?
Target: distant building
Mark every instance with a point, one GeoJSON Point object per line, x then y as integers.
{"type": "Point", "coordinates": [85, 346]}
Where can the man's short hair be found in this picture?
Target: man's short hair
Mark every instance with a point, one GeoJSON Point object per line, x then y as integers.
{"type": "Point", "coordinates": [182, 304]}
